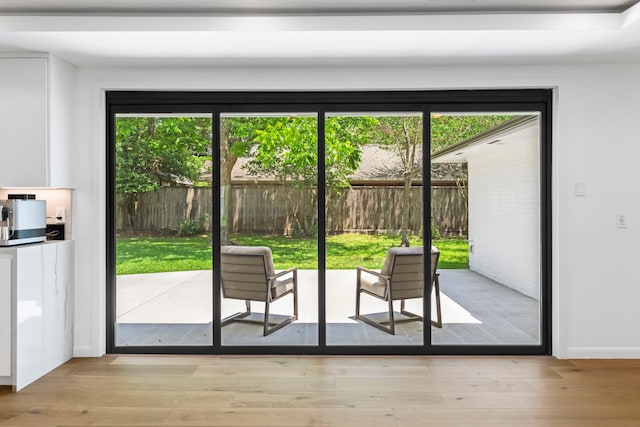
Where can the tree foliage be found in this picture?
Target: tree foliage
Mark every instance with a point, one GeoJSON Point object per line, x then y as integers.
{"type": "Point", "coordinates": [152, 151]}
{"type": "Point", "coordinates": [287, 149]}
{"type": "Point", "coordinates": [450, 129]}
{"type": "Point", "coordinates": [155, 150]}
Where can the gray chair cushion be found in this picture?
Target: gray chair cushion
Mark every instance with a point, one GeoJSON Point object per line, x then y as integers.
{"type": "Point", "coordinates": [282, 287]}
{"type": "Point", "coordinates": [375, 287]}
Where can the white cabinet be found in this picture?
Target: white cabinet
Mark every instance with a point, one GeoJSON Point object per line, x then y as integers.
{"type": "Point", "coordinates": [37, 97]}
{"type": "Point", "coordinates": [42, 309]}
{"type": "Point", "coordinates": [23, 122]}
{"type": "Point", "coordinates": [5, 315]}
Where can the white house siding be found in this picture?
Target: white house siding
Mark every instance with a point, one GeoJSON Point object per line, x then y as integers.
{"type": "Point", "coordinates": [504, 211]}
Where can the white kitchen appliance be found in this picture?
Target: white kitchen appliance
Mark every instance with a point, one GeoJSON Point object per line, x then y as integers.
{"type": "Point", "coordinates": [22, 221]}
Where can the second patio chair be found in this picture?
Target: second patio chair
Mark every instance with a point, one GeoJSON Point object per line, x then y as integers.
{"type": "Point", "coordinates": [401, 278]}
{"type": "Point", "coordinates": [248, 274]}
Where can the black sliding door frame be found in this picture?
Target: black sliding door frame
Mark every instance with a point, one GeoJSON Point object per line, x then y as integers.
{"type": "Point", "coordinates": [323, 103]}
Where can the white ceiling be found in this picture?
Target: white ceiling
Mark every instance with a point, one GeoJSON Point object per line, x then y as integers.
{"type": "Point", "coordinates": [310, 32]}
{"type": "Point", "coordinates": [306, 6]}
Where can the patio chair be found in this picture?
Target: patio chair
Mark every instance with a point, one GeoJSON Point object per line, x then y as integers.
{"type": "Point", "coordinates": [401, 278]}
{"type": "Point", "coordinates": [248, 274]}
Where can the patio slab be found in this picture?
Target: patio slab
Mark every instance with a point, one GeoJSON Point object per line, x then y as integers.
{"type": "Point", "coordinates": [168, 309]}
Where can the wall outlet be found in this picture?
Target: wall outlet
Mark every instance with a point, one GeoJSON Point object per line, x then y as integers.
{"type": "Point", "coordinates": [61, 214]}
{"type": "Point", "coordinates": [621, 220]}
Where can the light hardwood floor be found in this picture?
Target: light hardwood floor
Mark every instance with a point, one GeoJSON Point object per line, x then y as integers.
{"type": "Point", "coordinates": [329, 391]}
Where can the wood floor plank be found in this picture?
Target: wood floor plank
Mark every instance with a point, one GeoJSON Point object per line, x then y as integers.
{"type": "Point", "coordinates": [495, 371]}
{"type": "Point", "coordinates": [179, 384]}
{"type": "Point", "coordinates": [135, 371]}
{"type": "Point", "coordinates": [251, 371]}
{"type": "Point", "coordinates": [374, 399]}
{"type": "Point", "coordinates": [410, 417]}
{"type": "Point", "coordinates": [556, 400]}
{"type": "Point", "coordinates": [165, 360]}
{"type": "Point", "coordinates": [596, 373]}
{"type": "Point", "coordinates": [501, 361]}
{"type": "Point", "coordinates": [584, 384]}
{"type": "Point", "coordinates": [127, 398]}
{"type": "Point", "coordinates": [441, 385]}
{"type": "Point", "coordinates": [369, 371]}
{"type": "Point", "coordinates": [284, 417]}
{"type": "Point", "coordinates": [73, 415]}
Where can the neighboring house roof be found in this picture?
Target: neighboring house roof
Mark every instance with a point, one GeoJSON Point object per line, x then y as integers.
{"type": "Point", "coordinates": [378, 165]}
{"type": "Point", "coordinates": [458, 152]}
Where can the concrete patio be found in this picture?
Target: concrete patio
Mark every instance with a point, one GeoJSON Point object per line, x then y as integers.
{"type": "Point", "coordinates": [175, 309]}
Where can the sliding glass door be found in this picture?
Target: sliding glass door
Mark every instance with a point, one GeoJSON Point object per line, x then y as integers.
{"type": "Point", "coordinates": [269, 229]}
{"type": "Point", "coordinates": [342, 223]}
{"type": "Point", "coordinates": [162, 230]}
{"type": "Point", "coordinates": [491, 292]}
{"type": "Point", "coordinates": [374, 228]}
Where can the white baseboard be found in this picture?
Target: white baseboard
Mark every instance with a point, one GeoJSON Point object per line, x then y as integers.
{"type": "Point", "coordinates": [602, 353]}
{"type": "Point", "coordinates": [6, 381]}
{"type": "Point", "coordinates": [84, 351]}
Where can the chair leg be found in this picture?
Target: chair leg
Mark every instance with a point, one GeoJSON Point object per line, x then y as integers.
{"type": "Point", "coordinates": [238, 316]}
{"type": "Point", "coordinates": [392, 323]}
{"type": "Point", "coordinates": [436, 289]}
{"type": "Point", "coordinates": [411, 316]}
{"type": "Point", "coordinates": [269, 330]}
{"type": "Point", "coordinates": [295, 295]}
{"type": "Point", "coordinates": [358, 295]}
{"type": "Point", "coordinates": [365, 319]}
{"type": "Point", "coordinates": [266, 318]}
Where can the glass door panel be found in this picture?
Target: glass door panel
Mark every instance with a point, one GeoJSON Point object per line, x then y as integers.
{"type": "Point", "coordinates": [162, 227]}
{"type": "Point", "coordinates": [269, 229]}
{"type": "Point", "coordinates": [374, 229]}
{"type": "Point", "coordinates": [486, 224]}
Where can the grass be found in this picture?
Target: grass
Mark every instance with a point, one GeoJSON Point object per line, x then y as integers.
{"type": "Point", "coordinates": [345, 251]}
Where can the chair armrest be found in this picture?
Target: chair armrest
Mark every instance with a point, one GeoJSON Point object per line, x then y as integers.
{"type": "Point", "coordinates": [282, 273]}
{"type": "Point", "coordinates": [374, 273]}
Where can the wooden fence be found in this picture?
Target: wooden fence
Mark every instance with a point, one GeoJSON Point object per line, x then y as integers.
{"type": "Point", "coordinates": [288, 210]}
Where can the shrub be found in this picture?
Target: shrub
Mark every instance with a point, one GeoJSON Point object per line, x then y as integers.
{"type": "Point", "coordinates": [435, 232]}
{"type": "Point", "coordinates": [190, 227]}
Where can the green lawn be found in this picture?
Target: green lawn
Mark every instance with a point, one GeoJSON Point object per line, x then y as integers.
{"type": "Point", "coordinates": [345, 251]}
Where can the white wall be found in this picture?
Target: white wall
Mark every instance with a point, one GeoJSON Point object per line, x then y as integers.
{"type": "Point", "coordinates": [504, 210]}
{"type": "Point", "coordinates": [61, 121]}
{"type": "Point", "coordinates": [595, 140]}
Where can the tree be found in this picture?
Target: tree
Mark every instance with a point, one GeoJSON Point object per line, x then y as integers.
{"type": "Point", "coordinates": [404, 135]}
{"type": "Point", "coordinates": [236, 137]}
{"type": "Point", "coordinates": [286, 148]}
{"type": "Point", "coordinates": [155, 151]}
